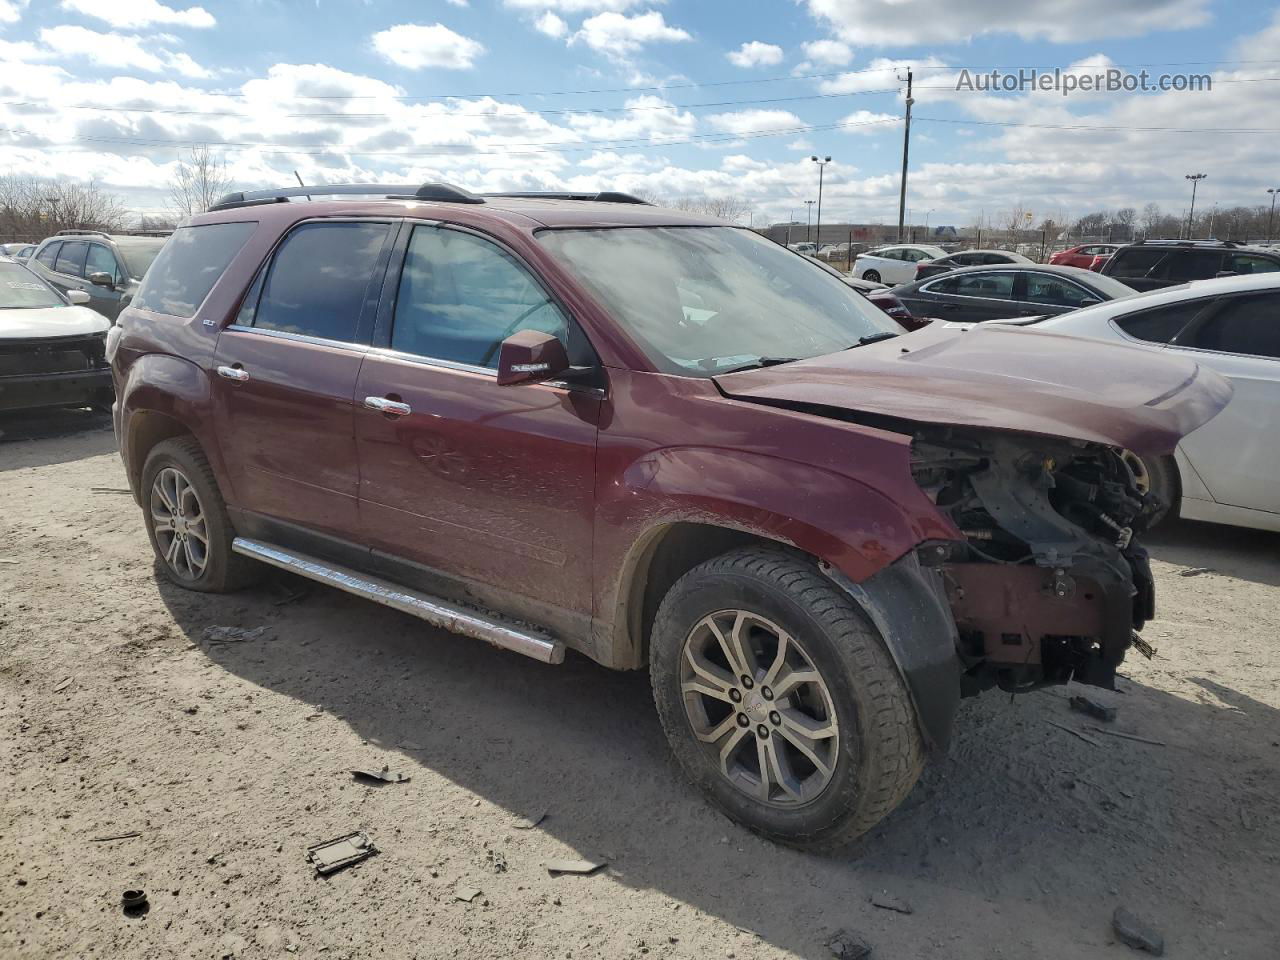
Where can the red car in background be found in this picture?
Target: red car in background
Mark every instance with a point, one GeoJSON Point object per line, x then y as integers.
{"type": "Point", "coordinates": [1087, 256]}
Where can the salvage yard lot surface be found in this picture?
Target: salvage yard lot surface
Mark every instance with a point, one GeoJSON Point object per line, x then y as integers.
{"type": "Point", "coordinates": [231, 758]}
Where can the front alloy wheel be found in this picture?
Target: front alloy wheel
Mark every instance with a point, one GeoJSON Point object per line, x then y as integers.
{"type": "Point", "coordinates": [179, 523]}
{"type": "Point", "coordinates": [755, 700]}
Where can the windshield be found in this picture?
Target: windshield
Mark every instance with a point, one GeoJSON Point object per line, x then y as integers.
{"type": "Point", "coordinates": [138, 252]}
{"type": "Point", "coordinates": [704, 300]}
{"type": "Point", "coordinates": [20, 289]}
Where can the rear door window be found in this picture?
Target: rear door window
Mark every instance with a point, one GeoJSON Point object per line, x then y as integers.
{"type": "Point", "coordinates": [1193, 265]}
{"type": "Point", "coordinates": [1162, 324]}
{"type": "Point", "coordinates": [460, 296]}
{"type": "Point", "coordinates": [71, 258]}
{"type": "Point", "coordinates": [189, 265]}
{"type": "Point", "coordinates": [1137, 262]}
{"type": "Point", "coordinates": [49, 255]}
{"type": "Point", "coordinates": [1247, 325]}
{"type": "Point", "coordinates": [992, 286]}
{"type": "Point", "coordinates": [320, 279]}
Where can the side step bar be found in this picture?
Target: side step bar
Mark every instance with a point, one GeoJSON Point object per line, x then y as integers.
{"type": "Point", "coordinates": [455, 619]}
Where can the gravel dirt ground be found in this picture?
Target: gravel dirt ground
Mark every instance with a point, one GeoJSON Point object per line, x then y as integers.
{"type": "Point", "coordinates": [229, 759]}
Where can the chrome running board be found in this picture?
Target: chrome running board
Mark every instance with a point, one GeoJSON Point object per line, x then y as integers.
{"type": "Point", "coordinates": [455, 619]}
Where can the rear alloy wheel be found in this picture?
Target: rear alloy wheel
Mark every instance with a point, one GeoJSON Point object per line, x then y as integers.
{"type": "Point", "coordinates": [780, 701]}
{"type": "Point", "coordinates": [1157, 476]}
{"type": "Point", "coordinates": [187, 520]}
{"type": "Point", "coordinates": [872, 275]}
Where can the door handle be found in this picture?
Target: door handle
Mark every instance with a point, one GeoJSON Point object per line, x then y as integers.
{"type": "Point", "coordinates": [383, 405]}
{"type": "Point", "coordinates": [238, 374]}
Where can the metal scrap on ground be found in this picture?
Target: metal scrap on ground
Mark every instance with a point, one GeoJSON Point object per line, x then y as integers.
{"type": "Point", "coordinates": [1130, 736]}
{"type": "Point", "coordinates": [886, 902]}
{"type": "Point", "coordinates": [232, 634]}
{"type": "Point", "coordinates": [1074, 732]}
{"type": "Point", "coordinates": [333, 855]}
{"type": "Point", "coordinates": [1093, 709]}
{"type": "Point", "coordinates": [1136, 933]}
{"type": "Point", "coordinates": [579, 867]}
{"type": "Point", "coordinates": [118, 836]}
{"type": "Point", "coordinates": [383, 776]}
{"type": "Point", "coordinates": [62, 685]}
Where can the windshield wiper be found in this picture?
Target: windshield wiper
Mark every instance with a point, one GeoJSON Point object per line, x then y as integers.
{"type": "Point", "coordinates": [759, 362]}
{"type": "Point", "coordinates": [873, 338]}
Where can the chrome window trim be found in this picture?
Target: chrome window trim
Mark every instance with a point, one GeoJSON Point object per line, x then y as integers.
{"type": "Point", "coordinates": [387, 353]}
{"type": "Point", "coordinates": [298, 337]}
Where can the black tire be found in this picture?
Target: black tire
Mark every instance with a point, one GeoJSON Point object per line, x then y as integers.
{"type": "Point", "coordinates": [1161, 477]}
{"type": "Point", "coordinates": [880, 753]}
{"type": "Point", "coordinates": [872, 275]}
{"type": "Point", "coordinates": [223, 570]}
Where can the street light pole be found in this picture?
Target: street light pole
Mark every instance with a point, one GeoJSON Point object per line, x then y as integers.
{"type": "Point", "coordinates": [822, 167]}
{"type": "Point", "coordinates": [808, 226]}
{"type": "Point", "coordinates": [1195, 179]}
{"type": "Point", "coordinates": [1272, 216]}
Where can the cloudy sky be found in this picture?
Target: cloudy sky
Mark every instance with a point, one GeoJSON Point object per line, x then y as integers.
{"type": "Point", "coordinates": [679, 98]}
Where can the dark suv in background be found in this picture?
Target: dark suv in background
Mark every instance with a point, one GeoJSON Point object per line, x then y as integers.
{"type": "Point", "coordinates": [1154, 264]}
{"type": "Point", "coordinates": [108, 267]}
{"type": "Point", "coordinates": [581, 422]}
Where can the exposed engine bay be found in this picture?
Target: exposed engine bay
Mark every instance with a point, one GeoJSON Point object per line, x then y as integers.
{"type": "Point", "coordinates": [1049, 584]}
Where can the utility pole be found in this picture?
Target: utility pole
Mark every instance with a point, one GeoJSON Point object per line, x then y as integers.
{"type": "Point", "coordinates": [906, 147]}
{"type": "Point", "coordinates": [808, 227]}
{"type": "Point", "coordinates": [1195, 179]}
{"type": "Point", "coordinates": [822, 167]}
{"type": "Point", "coordinates": [1272, 216]}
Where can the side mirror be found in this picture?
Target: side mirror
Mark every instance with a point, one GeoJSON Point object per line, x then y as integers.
{"type": "Point", "coordinates": [101, 279]}
{"type": "Point", "coordinates": [530, 356]}
{"type": "Point", "coordinates": [1225, 273]}
{"type": "Point", "coordinates": [78, 298]}
{"type": "Point", "coordinates": [1089, 301]}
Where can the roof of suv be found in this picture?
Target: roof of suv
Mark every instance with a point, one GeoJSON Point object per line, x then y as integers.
{"type": "Point", "coordinates": [433, 200]}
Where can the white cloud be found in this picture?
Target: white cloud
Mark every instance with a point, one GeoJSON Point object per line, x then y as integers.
{"type": "Point", "coordinates": [575, 6]}
{"type": "Point", "coordinates": [10, 12]}
{"type": "Point", "coordinates": [140, 13]}
{"type": "Point", "coordinates": [551, 25]}
{"type": "Point", "coordinates": [836, 53]}
{"type": "Point", "coordinates": [648, 117]}
{"type": "Point", "coordinates": [415, 46]}
{"type": "Point", "coordinates": [914, 22]}
{"type": "Point", "coordinates": [865, 121]}
{"type": "Point", "coordinates": [882, 74]}
{"type": "Point", "coordinates": [755, 54]}
{"type": "Point", "coordinates": [458, 3]}
{"type": "Point", "coordinates": [123, 51]}
{"type": "Point", "coordinates": [618, 35]}
{"type": "Point", "coordinates": [744, 122]}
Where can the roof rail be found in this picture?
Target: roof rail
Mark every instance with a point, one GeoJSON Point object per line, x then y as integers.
{"type": "Point", "coordinates": [441, 192]}
{"type": "Point", "coordinates": [603, 196]}
{"type": "Point", "coordinates": [81, 233]}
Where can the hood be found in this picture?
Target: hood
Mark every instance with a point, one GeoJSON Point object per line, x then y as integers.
{"type": "Point", "coordinates": [51, 322]}
{"type": "Point", "coordinates": [1004, 378]}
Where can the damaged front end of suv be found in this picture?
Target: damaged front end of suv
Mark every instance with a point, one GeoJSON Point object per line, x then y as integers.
{"type": "Point", "coordinates": [1050, 583]}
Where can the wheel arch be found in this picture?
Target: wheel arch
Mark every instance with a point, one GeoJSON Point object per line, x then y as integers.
{"type": "Point", "coordinates": [163, 397]}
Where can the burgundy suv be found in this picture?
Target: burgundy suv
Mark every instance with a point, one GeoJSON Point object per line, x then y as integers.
{"type": "Point", "coordinates": [567, 421]}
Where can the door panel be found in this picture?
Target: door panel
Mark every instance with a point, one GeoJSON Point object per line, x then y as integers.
{"type": "Point", "coordinates": [285, 374]}
{"type": "Point", "coordinates": [287, 432]}
{"type": "Point", "coordinates": [480, 482]}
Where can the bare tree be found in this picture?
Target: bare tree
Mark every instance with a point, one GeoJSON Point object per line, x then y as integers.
{"type": "Point", "coordinates": [1151, 217]}
{"type": "Point", "coordinates": [198, 182]}
{"type": "Point", "coordinates": [732, 209]}
{"type": "Point", "coordinates": [32, 208]}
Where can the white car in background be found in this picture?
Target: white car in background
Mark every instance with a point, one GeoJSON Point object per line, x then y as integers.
{"type": "Point", "coordinates": [1227, 470]}
{"type": "Point", "coordinates": [896, 264]}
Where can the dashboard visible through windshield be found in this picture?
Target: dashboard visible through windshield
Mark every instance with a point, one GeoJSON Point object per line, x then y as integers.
{"type": "Point", "coordinates": [702, 301]}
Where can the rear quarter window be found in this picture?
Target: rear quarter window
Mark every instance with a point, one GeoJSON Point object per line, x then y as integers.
{"type": "Point", "coordinates": [189, 265]}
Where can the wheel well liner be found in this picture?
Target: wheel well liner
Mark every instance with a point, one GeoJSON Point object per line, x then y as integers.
{"type": "Point", "coordinates": [146, 429]}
